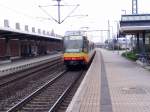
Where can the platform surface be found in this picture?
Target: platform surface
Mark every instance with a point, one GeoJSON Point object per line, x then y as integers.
{"type": "Point", "coordinates": [113, 84]}
{"type": "Point", "coordinates": [14, 66]}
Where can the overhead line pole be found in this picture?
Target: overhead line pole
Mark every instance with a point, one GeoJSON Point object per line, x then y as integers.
{"type": "Point", "coordinates": [59, 10]}
{"type": "Point", "coordinates": [58, 20]}
{"type": "Point", "coordinates": [134, 7]}
{"type": "Point", "coordinates": [108, 30]}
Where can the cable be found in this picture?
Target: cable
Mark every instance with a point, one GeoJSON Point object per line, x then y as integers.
{"type": "Point", "coordinates": [58, 21]}
{"type": "Point", "coordinates": [19, 12]}
{"type": "Point", "coordinates": [16, 11]}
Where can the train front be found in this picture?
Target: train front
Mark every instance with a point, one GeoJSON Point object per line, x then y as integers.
{"type": "Point", "coordinates": [73, 50]}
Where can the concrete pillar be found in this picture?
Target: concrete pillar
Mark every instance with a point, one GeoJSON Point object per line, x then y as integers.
{"type": "Point", "coordinates": [7, 48]}
{"type": "Point", "coordinates": [138, 43]}
{"type": "Point", "coordinates": [2, 47]}
{"type": "Point", "coordinates": [143, 49]}
{"type": "Point", "coordinates": [27, 28]}
{"type": "Point", "coordinates": [14, 48]}
{"type": "Point", "coordinates": [28, 48]}
{"type": "Point", "coordinates": [19, 48]}
{"type": "Point", "coordinates": [18, 26]}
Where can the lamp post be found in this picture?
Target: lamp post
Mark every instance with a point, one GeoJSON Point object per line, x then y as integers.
{"type": "Point", "coordinates": [108, 30]}
{"type": "Point", "coordinates": [112, 35]}
{"type": "Point", "coordinates": [117, 35]}
{"type": "Point", "coordinates": [126, 45]}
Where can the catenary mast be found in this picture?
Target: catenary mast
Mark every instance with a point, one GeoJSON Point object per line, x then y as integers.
{"type": "Point", "coordinates": [134, 7]}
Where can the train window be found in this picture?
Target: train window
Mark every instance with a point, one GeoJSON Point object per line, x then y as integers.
{"type": "Point", "coordinates": [73, 38]}
{"type": "Point", "coordinates": [85, 46]}
{"type": "Point", "coordinates": [73, 44]}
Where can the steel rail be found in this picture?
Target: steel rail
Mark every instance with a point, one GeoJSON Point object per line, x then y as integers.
{"type": "Point", "coordinates": [33, 70]}
{"type": "Point", "coordinates": [28, 98]}
{"type": "Point", "coordinates": [65, 93]}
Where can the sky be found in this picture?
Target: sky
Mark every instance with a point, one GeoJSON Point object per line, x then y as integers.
{"type": "Point", "coordinates": [27, 12]}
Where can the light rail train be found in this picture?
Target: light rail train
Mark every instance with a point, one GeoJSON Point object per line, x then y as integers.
{"type": "Point", "coordinates": [78, 50]}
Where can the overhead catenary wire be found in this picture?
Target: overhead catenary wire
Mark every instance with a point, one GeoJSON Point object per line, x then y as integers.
{"type": "Point", "coordinates": [70, 13]}
{"type": "Point", "coordinates": [19, 12]}
{"type": "Point", "coordinates": [47, 13]}
{"type": "Point", "coordinates": [16, 11]}
{"type": "Point", "coordinates": [59, 21]}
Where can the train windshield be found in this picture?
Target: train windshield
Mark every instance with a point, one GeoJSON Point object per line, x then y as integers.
{"type": "Point", "coordinates": [73, 43]}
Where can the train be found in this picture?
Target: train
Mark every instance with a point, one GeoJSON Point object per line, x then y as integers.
{"type": "Point", "coordinates": [77, 50]}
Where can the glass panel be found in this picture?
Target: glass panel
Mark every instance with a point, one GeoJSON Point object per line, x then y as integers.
{"type": "Point", "coordinates": [135, 17]}
{"type": "Point", "coordinates": [73, 44]}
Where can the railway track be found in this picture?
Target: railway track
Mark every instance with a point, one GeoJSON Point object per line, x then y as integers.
{"type": "Point", "coordinates": [48, 96]}
{"type": "Point", "coordinates": [63, 103]}
{"type": "Point", "coordinates": [16, 89]}
{"type": "Point", "coordinates": [26, 93]}
{"type": "Point", "coordinates": [22, 74]}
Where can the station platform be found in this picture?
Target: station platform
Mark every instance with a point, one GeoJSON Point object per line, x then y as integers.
{"type": "Point", "coordinates": [11, 67]}
{"type": "Point", "coordinates": [113, 84]}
